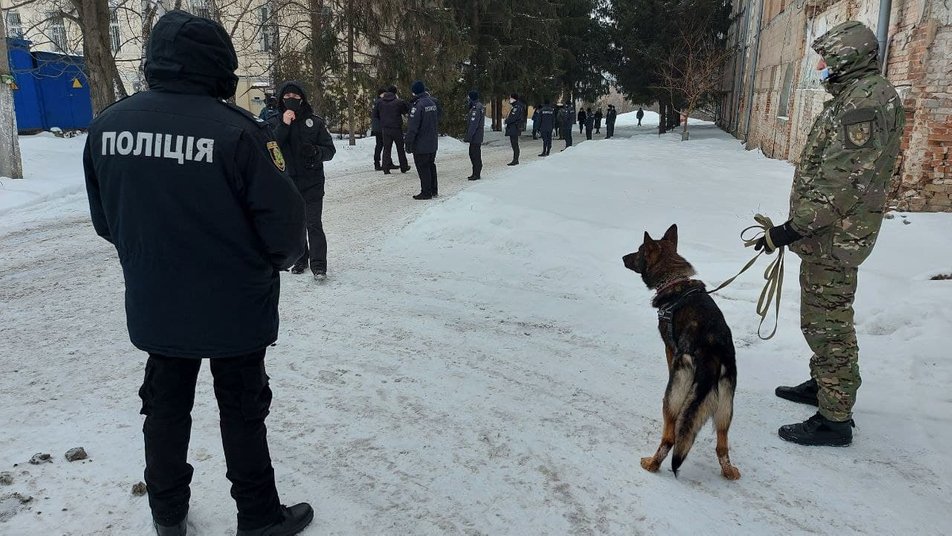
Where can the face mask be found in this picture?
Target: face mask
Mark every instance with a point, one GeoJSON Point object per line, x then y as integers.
{"type": "Point", "coordinates": [292, 104]}
{"type": "Point", "coordinates": [824, 74]}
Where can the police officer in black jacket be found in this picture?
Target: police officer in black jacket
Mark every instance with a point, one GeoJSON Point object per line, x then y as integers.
{"type": "Point", "coordinates": [390, 111]}
{"type": "Point", "coordinates": [306, 145]}
{"type": "Point", "coordinates": [475, 129]}
{"type": "Point", "coordinates": [192, 192]}
{"type": "Point", "coordinates": [569, 124]}
{"type": "Point", "coordinates": [546, 120]}
{"type": "Point", "coordinates": [423, 138]}
{"type": "Point", "coordinates": [513, 120]}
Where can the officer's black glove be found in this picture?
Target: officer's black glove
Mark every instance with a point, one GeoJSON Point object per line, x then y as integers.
{"type": "Point", "coordinates": [777, 237]}
{"type": "Point", "coordinates": [409, 149]}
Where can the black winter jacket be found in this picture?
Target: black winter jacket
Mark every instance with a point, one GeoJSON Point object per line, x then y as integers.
{"type": "Point", "coordinates": [305, 143]}
{"type": "Point", "coordinates": [476, 123]}
{"type": "Point", "coordinates": [191, 192]}
{"type": "Point", "coordinates": [423, 125]}
{"type": "Point", "coordinates": [514, 119]}
{"type": "Point", "coordinates": [546, 119]}
{"type": "Point", "coordinates": [390, 111]}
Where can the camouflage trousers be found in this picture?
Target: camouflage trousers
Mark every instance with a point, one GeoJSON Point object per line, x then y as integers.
{"type": "Point", "coordinates": [827, 290]}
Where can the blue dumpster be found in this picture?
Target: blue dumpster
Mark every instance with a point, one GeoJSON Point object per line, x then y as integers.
{"type": "Point", "coordinates": [53, 89]}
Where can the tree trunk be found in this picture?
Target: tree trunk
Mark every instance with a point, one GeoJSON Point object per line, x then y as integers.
{"type": "Point", "coordinates": [350, 72]}
{"type": "Point", "coordinates": [497, 114]}
{"type": "Point", "coordinates": [317, 61]}
{"type": "Point", "coordinates": [93, 18]}
{"type": "Point", "coordinates": [10, 164]}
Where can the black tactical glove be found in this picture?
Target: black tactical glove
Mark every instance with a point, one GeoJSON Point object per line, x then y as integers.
{"type": "Point", "coordinates": [777, 237]}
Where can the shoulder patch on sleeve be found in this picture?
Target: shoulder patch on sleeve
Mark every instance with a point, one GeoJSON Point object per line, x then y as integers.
{"type": "Point", "coordinates": [276, 156]}
{"type": "Point", "coordinates": [859, 126]}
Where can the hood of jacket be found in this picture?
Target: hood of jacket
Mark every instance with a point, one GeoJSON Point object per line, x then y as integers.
{"type": "Point", "coordinates": [296, 87]}
{"type": "Point", "coordinates": [189, 54]}
{"type": "Point", "coordinates": [850, 51]}
{"type": "Point", "coordinates": [388, 96]}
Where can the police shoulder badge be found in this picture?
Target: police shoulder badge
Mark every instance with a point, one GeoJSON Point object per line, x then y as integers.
{"type": "Point", "coordinates": [276, 155]}
{"type": "Point", "coordinates": [309, 122]}
{"type": "Point", "coordinates": [858, 125]}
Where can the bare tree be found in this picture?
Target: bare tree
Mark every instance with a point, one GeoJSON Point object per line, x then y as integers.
{"type": "Point", "coordinates": [693, 71]}
{"type": "Point", "coordinates": [10, 164]}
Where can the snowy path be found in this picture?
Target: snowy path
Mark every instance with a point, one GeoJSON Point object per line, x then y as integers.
{"type": "Point", "coordinates": [482, 364]}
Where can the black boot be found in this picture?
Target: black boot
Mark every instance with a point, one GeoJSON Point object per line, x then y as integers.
{"type": "Point", "coordinates": [805, 393]}
{"type": "Point", "coordinates": [422, 196]}
{"type": "Point", "coordinates": [299, 269]}
{"type": "Point", "coordinates": [818, 431]}
{"type": "Point", "coordinates": [513, 163]}
{"type": "Point", "coordinates": [404, 169]}
{"type": "Point", "coordinates": [178, 529]}
{"type": "Point", "coordinates": [473, 178]}
{"type": "Point", "coordinates": [296, 518]}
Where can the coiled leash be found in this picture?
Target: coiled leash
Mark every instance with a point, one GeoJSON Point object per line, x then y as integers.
{"type": "Point", "coordinates": [773, 274]}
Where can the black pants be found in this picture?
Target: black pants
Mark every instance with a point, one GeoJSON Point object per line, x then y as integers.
{"type": "Point", "coordinates": [514, 141]}
{"type": "Point", "coordinates": [393, 137]}
{"type": "Point", "coordinates": [378, 148]}
{"type": "Point", "coordinates": [244, 398]}
{"type": "Point", "coordinates": [609, 130]}
{"type": "Point", "coordinates": [315, 250]}
{"type": "Point", "coordinates": [567, 136]}
{"type": "Point", "coordinates": [588, 132]}
{"type": "Point", "coordinates": [476, 157]}
{"type": "Point", "coordinates": [581, 127]}
{"type": "Point", "coordinates": [546, 142]}
{"type": "Point", "coordinates": [426, 167]}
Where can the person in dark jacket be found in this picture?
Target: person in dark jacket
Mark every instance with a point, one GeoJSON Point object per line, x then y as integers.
{"type": "Point", "coordinates": [376, 131]}
{"type": "Point", "coordinates": [535, 122]}
{"type": "Point", "coordinates": [546, 120]}
{"type": "Point", "coordinates": [589, 123]}
{"type": "Point", "coordinates": [306, 145]}
{"type": "Point", "coordinates": [640, 115]}
{"type": "Point", "coordinates": [513, 121]}
{"type": "Point", "coordinates": [581, 121]}
{"type": "Point", "coordinates": [559, 119]}
{"type": "Point", "coordinates": [390, 111]}
{"type": "Point", "coordinates": [569, 124]}
{"type": "Point", "coordinates": [423, 138]}
{"type": "Point", "coordinates": [598, 120]}
{"type": "Point", "coordinates": [475, 128]}
{"type": "Point", "coordinates": [192, 192]}
{"type": "Point", "coordinates": [610, 116]}
{"type": "Point", "coordinates": [270, 108]}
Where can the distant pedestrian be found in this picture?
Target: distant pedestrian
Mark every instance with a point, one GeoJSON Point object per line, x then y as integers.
{"type": "Point", "coordinates": [376, 131]}
{"type": "Point", "coordinates": [598, 121]}
{"type": "Point", "coordinates": [610, 116]}
{"type": "Point", "coordinates": [559, 119]}
{"type": "Point", "coordinates": [568, 124]}
{"type": "Point", "coordinates": [535, 121]}
{"type": "Point", "coordinates": [581, 121]}
{"type": "Point", "coordinates": [423, 138]}
{"type": "Point", "coordinates": [512, 126]}
{"type": "Point", "coordinates": [474, 133]}
{"type": "Point", "coordinates": [640, 115]}
{"type": "Point", "coordinates": [546, 120]}
{"type": "Point", "coordinates": [390, 111]}
{"type": "Point", "coordinates": [270, 109]}
{"type": "Point", "coordinates": [589, 123]}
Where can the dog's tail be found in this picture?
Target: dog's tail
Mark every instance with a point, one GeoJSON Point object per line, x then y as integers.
{"type": "Point", "coordinates": [697, 409]}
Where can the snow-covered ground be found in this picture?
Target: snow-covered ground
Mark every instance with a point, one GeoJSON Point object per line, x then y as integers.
{"type": "Point", "coordinates": [483, 363]}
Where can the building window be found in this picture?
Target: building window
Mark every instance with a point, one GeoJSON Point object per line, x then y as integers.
{"type": "Point", "coordinates": [14, 25]}
{"type": "Point", "coordinates": [200, 8]}
{"type": "Point", "coordinates": [785, 91]}
{"type": "Point", "coordinates": [57, 32]}
{"type": "Point", "coordinates": [114, 36]}
{"type": "Point", "coordinates": [267, 41]}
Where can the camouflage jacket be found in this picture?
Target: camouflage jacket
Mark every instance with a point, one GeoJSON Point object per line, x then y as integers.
{"type": "Point", "coordinates": [839, 188]}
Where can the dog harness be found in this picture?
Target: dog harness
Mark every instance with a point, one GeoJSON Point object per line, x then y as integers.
{"type": "Point", "coordinates": [666, 312]}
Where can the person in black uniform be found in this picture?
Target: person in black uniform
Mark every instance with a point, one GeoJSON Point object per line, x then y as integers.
{"type": "Point", "coordinates": [640, 115]}
{"type": "Point", "coordinates": [581, 121]}
{"type": "Point", "coordinates": [270, 109]}
{"type": "Point", "coordinates": [535, 121]}
{"type": "Point", "coordinates": [546, 120]}
{"type": "Point", "coordinates": [569, 125]}
{"type": "Point", "coordinates": [475, 127]}
{"type": "Point", "coordinates": [306, 145]}
{"type": "Point", "coordinates": [192, 192]}
{"type": "Point", "coordinates": [390, 111]}
{"type": "Point", "coordinates": [598, 121]}
{"type": "Point", "coordinates": [589, 123]}
{"type": "Point", "coordinates": [375, 130]}
{"type": "Point", "coordinates": [513, 121]}
{"type": "Point", "coordinates": [610, 116]}
{"type": "Point", "coordinates": [423, 138]}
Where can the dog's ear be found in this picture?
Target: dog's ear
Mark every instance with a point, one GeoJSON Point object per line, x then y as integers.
{"type": "Point", "coordinates": [648, 239]}
{"type": "Point", "coordinates": [671, 235]}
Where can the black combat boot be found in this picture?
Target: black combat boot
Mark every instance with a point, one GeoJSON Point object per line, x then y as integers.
{"type": "Point", "coordinates": [818, 431]}
{"type": "Point", "coordinates": [178, 529]}
{"type": "Point", "coordinates": [298, 268]}
{"type": "Point", "coordinates": [296, 518]}
{"type": "Point", "coordinates": [805, 393]}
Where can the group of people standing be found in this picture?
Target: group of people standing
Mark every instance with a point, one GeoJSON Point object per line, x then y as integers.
{"type": "Point", "coordinates": [422, 135]}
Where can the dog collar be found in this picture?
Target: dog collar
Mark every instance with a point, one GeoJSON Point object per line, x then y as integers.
{"type": "Point", "coordinates": [669, 285]}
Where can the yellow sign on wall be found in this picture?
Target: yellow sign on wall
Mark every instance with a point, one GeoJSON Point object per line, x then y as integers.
{"type": "Point", "coordinates": [77, 84]}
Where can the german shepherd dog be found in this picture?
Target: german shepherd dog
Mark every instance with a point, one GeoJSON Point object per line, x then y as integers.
{"type": "Point", "coordinates": [702, 374]}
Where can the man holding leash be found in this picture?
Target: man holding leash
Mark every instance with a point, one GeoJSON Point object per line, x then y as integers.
{"type": "Point", "coordinates": [836, 210]}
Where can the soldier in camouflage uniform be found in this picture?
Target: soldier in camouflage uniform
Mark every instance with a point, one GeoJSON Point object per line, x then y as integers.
{"type": "Point", "coordinates": [836, 209]}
